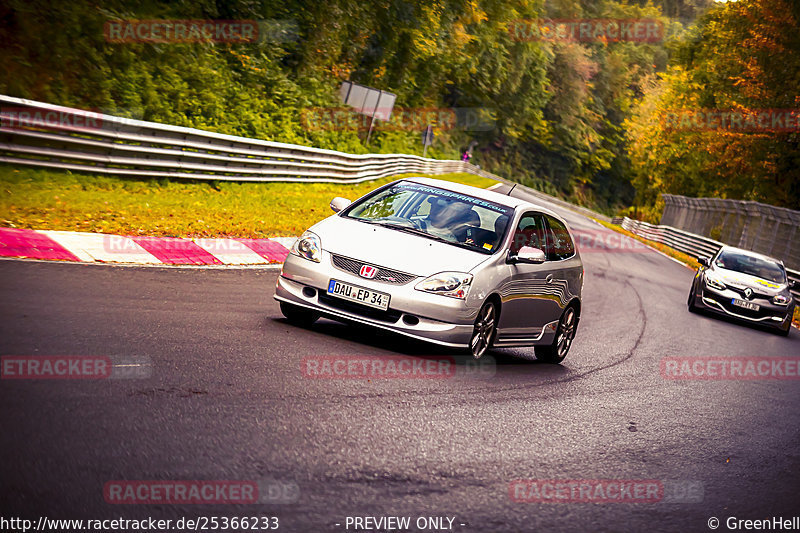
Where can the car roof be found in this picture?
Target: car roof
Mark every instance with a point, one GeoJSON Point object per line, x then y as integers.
{"type": "Point", "coordinates": [483, 194]}
{"type": "Point", "coordinates": [751, 253]}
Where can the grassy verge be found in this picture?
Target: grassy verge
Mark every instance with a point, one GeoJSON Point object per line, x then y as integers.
{"type": "Point", "coordinates": [680, 256]}
{"type": "Point", "coordinates": [675, 254]}
{"type": "Point", "coordinates": [43, 199]}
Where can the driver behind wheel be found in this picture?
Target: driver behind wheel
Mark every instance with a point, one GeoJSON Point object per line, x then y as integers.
{"type": "Point", "coordinates": [466, 230]}
{"type": "Point", "coordinates": [446, 216]}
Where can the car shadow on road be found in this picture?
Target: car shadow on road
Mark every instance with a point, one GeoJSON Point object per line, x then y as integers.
{"type": "Point", "coordinates": [514, 360]}
{"type": "Point", "coordinates": [741, 323]}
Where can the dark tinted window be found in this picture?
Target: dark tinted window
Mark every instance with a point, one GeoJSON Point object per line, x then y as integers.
{"type": "Point", "coordinates": [529, 232]}
{"type": "Point", "coordinates": [559, 243]}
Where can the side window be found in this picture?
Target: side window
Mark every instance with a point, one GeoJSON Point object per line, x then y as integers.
{"type": "Point", "coordinates": [529, 232]}
{"type": "Point", "coordinates": [559, 243]}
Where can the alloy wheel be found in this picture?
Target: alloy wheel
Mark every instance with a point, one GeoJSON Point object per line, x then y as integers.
{"type": "Point", "coordinates": [483, 332]}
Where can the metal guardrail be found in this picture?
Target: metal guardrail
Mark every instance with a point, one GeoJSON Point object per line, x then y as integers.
{"type": "Point", "coordinates": [683, 241]}
{"type": "Point", "coordinates": [46, 135]}
{"type": "Point", "coordinates": [543, 196]}
{"type": "Point", "coordinates": [770, 230]}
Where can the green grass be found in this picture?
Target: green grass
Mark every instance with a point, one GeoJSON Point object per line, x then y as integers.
{"type": "Point", "coordinates": [680, 256]}
{"type": "Point", "coordinates": [44, 199]}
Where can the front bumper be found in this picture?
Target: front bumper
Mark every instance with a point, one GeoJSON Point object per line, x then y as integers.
{"type": "Point", "coordinates": [428, 317]}
{"type": "Point", "coordinates": [769, 314]}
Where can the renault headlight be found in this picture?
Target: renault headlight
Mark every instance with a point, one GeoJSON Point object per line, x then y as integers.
{"type": "Point", "coordinates": [308, 246]}
{"type": "Point", "coordinates": [452, 284]}
{"type": "Point", "coordinates": [781, 299]}
{"type": "Point", "coordinates": [714, 282]}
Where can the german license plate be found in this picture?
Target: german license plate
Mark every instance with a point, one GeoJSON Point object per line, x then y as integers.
{"type": "Point", "coordinates": [354, 293]}
{"type": "Point", "coordinates": [744, 304]}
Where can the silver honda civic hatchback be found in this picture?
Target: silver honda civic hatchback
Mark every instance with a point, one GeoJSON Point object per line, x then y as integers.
{"type": "Point", "coordinates": [442, 262]}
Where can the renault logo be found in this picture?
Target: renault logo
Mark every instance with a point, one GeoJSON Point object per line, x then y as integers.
{"type": "Point", "coordinates": [748, 293]}
{"type": "Point", "coordinates": [367, 271]}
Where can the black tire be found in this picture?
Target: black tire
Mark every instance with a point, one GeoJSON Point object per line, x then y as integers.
{"type": "Point", "coordinates": [484, 331]}
{"type": "Point", "coordinates": [692, 308]}
{"type": "Point", "coordinates": [297, 315]}
{"type": "Point", "coordinates": [565, 333]}
{"type": "Point", "coordinates": [785, 332]}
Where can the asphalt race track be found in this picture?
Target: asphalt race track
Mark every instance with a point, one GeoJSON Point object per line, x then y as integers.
{"type": "Point", "coordinates": [221, 396]}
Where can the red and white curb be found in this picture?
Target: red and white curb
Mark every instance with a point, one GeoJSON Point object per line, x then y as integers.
{"type": "Point", "coordinates": [104, 248]}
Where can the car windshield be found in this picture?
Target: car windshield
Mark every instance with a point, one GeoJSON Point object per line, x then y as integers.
{"type": "Point", "coordinates": [754, 266]}
{"type": "Point", "coordinates": [438, 214]}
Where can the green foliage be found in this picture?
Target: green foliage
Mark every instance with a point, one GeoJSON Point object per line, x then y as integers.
{"type": "Point", "coordinates": [742, 56]}
{"type": "Point", "coordinates": [576, 119]}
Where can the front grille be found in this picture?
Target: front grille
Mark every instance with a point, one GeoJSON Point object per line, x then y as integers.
{"type": "Point", "coordinates": [390, 315]}
{"type": "Point", "coordinates": [741, 311]}
{"type": "Point", "coordinates": [755, 294]}
{"type": "Point", "coordinates": [384, 275]}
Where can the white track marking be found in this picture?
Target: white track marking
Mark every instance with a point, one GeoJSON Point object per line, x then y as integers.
{"type": "Point", "coordinates": [101, 247]}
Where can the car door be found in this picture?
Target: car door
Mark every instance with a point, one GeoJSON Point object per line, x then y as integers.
{"type": "Point", "coordinates": [528, 302]}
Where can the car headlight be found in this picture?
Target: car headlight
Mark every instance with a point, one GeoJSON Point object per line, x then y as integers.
{"type": "Point", "coordinates": [308, 246]}
{"type": "Point", "coordinates": [781, 299]}
{"type": "Point", "coordinates": [452, 284]}
{"type": "Point", "coordinates": [714, 283]}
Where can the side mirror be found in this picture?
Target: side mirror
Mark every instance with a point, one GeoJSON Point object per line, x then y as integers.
{"type": "Point", "coordinates": [705, 261]}
{"type": "Point", "coordinates": [339, 203]}
{"type": "Point", "coordinates": [529, 255]}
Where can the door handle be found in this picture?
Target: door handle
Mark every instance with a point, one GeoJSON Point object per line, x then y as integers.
{"type": "Point", "coordinates": [549, 278]}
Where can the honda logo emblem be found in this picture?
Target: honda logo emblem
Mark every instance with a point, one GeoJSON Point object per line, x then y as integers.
{"type": "Point", "coordinates": [368, 272]}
